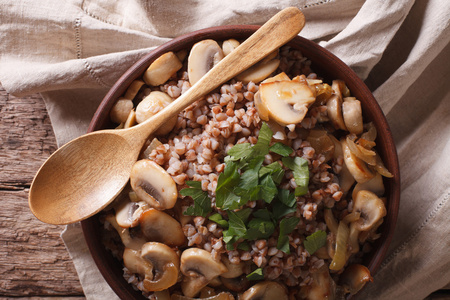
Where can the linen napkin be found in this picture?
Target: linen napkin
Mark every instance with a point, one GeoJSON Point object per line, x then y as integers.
{"type": "Point", "coordinates": [73, 51]}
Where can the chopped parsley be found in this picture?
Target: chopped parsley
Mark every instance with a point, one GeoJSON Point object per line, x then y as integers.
{"type": "Point", "coordinates": [202, 203]}
{"type": "Point", "coordinates": [256, 275]}
{"type": "Point", "coordinates": [245, 179]}
{"type": "Point", "coordinates": [315, 241]}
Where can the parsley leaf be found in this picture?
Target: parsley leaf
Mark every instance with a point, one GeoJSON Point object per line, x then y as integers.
{"type": "Point", "coordinates": [202, 203]}
{"type": "Point", "coordinates": [286, 227]}
{"type": "Point", "coordinates": [239, 151]}
{"type": "Point", "coordinates": [256, 275]}
{"type": "Point", "coordinates": [299, 167]}
{"type": "Point", "coordinates": [259, 229]}
{"type": "Point", "coordinates": [228, 179]}
{"type": "Point", "coordinates": [217, 218]}
{"type": "Point", "coordinates": [268, 189]}
{"type": "Point", "coordinates": [280, 210]}
{"type": "Point", "coordinates": [286, 197]}
{"type": "Point", "coordinates": [281, 149]}
{"type": "Point", "coordinates": [315, 241]}
{"type": "Point", "coordinates": [261, 147]}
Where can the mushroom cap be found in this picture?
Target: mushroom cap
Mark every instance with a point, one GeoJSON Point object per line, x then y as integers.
{"type": "Point", "coordinates": [162, 69]}
{"type": "Point", "coordinates": [158, 226]}
{"type": "Point", "coordinates": [321, 142]}
{"type": "Point", "coordinates": [352, 113]}
{"type": "Point", "coordinates": [236, 284]}
{"type": "Point", "coordinates": [229, 45]}
{"type": "Point", "coordinates": [199, 268]}
{"type": "Point", "coordinates": [220, 296]}
{"type": "Point", "coordinates": [354, 278]}
{"type": "Point", "coordinates": [334, 111]}
{"type": "Point", "coordinates": [234, 270]}
{"type": "Point", "coordinates": [203, 57]}
{"type": "Point", "coordinates": [153, 184]}
{"type": "Point", "coordinates": [120, 111]}
{"type": "Point", "coordinates": [375, 185]}
{"type": "Point", "coordinates": [322, 287]}
{"type": "Point", "coordinates": [266, 290]}
{"type": "Point", "coordinates": [371, 207]}
{"type": "Point", "coordinates": [259, 71]}
{"type": "Point", "coordinates": [165, 263]}
{"type": "Point", "coordinates": [151, 105]}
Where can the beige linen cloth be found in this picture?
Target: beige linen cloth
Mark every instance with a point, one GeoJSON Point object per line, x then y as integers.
{"type": "Point", "coordinates": [73, 51]}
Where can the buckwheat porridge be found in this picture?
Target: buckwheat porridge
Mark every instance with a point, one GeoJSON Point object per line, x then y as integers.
{"type": "Point", "coordinates": [268, 187]}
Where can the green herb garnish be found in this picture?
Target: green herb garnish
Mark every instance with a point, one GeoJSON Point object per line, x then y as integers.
{"type": "Point", "coordinates": [202, 203]}
{"type": "Point", "coordinates": [256, 275]}
{"type": "Point", "coordinates": [299, 167]}
{"type": "Point", "coordinates": [286, 227]}
{"type": "Point", "coordinates": [219, 220]}
{"type": "Point", "coordinates": [315, 241]}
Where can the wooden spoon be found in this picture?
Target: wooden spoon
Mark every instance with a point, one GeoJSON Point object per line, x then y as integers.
{"type": "Point", "coordinates": [82, 177]}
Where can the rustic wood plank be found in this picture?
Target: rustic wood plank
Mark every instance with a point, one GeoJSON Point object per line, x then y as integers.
{"type": "Point", "coordinates": [26, 138]}
{"type": "Point", "coordinates": [33, 259]}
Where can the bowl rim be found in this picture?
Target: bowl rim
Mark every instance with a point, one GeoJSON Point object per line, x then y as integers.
{"type": "Point", "coordinates": [315, 51]}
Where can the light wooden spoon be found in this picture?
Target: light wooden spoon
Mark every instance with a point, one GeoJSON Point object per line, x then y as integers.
{"type": "Point", "coordinates": [82, 177]}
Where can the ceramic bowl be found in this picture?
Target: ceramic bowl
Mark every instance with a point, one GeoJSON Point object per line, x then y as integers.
{"type": "Point", "coordinates": [327, 66]}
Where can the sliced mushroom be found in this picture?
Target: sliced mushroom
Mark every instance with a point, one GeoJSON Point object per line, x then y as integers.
{"type": "Point", "coordinates": [199, 269]}
{"type": "Point", "coordinates": [203, 57]}
{"type": "Point", "coordinates": [340, 88]}
{"type": "Point", "coordinates": [354, 278]}
{"type": "Point", "coordinates": [182, 54]}
{"type": "Point", "coordinates": [260, 107]}
{"type": "Point", "coordinates": [334, 111]}
{"type": "Point", "coordinates": [152, 146]}
{"type": "Point", "coordinates": [120, 111]}
{"type": "Point", "coordinates": [151, 105]}
{"type": "Point", "coordinates": [237, 284]}
{"type": "Point", "coordinates": [371, 207]}
{"type": "Point", "coordinates": [229, 45]}
{"type": "Point", "coordinates": [158, 226]}
{"type": "Point", "coordinates": [165, 266]}
{"type": "Point", "coordinates": [357, 167]}
{"type": "Point", "coordinates": [220, 296]}
{"type": "Point", "coordinates": [162, 69]}
{"type": "Point", "coordinates": [133, 89]}
{"type": "Point", "coordinates": [375, 185]}
{"type": "Point", "coordinates": [279, 77]}
{"type": "Point", "coordinates": [153, 184]}
{"type": "Point", "coordinates": [322, 143]}
{"type": "Point", "coordinates": [279, 133]}
{"type": "Point", "coordinates": [128, 241]}
{"type": "Point", "coordinates": [266, 290]}
{"type": "Point", "coordinates": [259, 71]}
{"type": "Point", "coordinates": [286, 101]}
{"type": "Point", "coordinates": [380, 168]}
{"type": "Point", "coordinates": [352, 113]}
{"type": "Point", "coordinates": [234, 270]}
{"type": "Point", "coordinates": [131, 119]}
{"type": "Point", "coordinates": [133, 261]}
{"type": "Point", "coordinates": [346, 179]}
{"type": "Point", "coordinates": [129, 212]}
{"type": "Point", "coordinates": [322, 286]}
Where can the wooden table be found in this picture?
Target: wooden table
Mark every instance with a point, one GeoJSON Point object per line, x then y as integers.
{"type": "Point", "coordinates": [34, 263]}
{"type": "Point", "coordinates": [33, 259]}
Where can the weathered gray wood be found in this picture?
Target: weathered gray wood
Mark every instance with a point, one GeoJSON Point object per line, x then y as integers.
{"type": "Point", "coordinates": [33, 260]}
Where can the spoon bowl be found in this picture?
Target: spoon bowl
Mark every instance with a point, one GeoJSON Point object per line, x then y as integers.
{"type": "Point", "coordinates": [85, 175]}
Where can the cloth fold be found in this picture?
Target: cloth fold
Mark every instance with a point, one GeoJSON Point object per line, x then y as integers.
{"type": "Point", "coordinates": [73, 51]}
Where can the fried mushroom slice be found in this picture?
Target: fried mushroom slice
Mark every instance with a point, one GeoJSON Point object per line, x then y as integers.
{"type": "Point", "coordinates": [371, 208]}
{"type": "Point", "coordinates": [286, 101]}
{"type": "Point", "coordinates": [153, 184]}
{"type": "Point", "coordinates": [352, 113]}
{"type": "Point", "coordinates": [259, 71]}
{"type": "Point", "coordinates": [151, 105]}
{"type": "Point", "coordinates": [203, 57]}
{"type": "Point", "coordinates": [162, 69]}
{"type": "Point", "coordinates": [199, 268]}
{"type": "Point", "coordinates": [229, 45]}
{"type": "Point", "coordinates": [158, 226]}
{"type": "Point", "coordinates": [165, 266]}
{"type": "Point", "coordinates": [266, 290]}
{"type": "Point", "coordinates": [220, 296]}
{"type": "Point", "coordinates": [129, 212]}
{"type": "Point", "coordinates": [132, 242]}
{"type": "Point", "coordinates": [321, 288]}
{"type": "Point", "coordinates": [354, 278]}
{"type": "Point", "coordinates": [120, 111]}
{"type": "Point", "coordinates": [334, 111]}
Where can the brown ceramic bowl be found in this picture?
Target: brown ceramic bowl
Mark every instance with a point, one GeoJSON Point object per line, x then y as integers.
{"type": "Point", "coordinates": [326, 65]}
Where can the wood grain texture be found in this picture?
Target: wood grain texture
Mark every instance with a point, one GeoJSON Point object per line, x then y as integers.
{"type": "Point", "coordinates": [33, 259]}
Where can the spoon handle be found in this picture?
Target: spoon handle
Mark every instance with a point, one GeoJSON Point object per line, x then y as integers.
{"type": "Point", "coordinates": [280, 29]}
